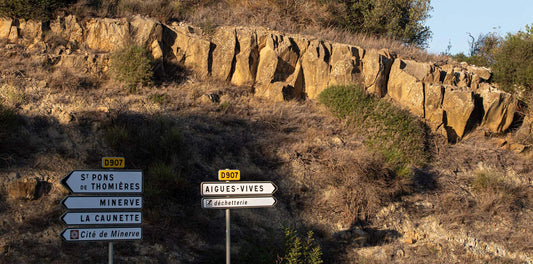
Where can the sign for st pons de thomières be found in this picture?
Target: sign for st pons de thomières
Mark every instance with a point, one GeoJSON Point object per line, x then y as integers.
{"type": "Point", "coordinates": [103, 181]}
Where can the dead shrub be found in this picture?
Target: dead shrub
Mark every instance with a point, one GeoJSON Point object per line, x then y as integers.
{"type": "Point", "coordinates": [494, 194]}
{"type": "Point", "coordinates": [68, 80]}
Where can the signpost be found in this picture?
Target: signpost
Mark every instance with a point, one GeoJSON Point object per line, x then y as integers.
{"type": "Point", "coordinates": [102, 202]}
{"type": "Point", "coordinates": [102, 198]}
{"type": "Point", "coordinates": [113, 162]}
{"type": "Point", "coordinates": [240, 202]}
{"type": "Point", "coordinates": [103, 181]}
{"type": "Point", "coordinates": [101, 234]}
{"type": "Point", "coordinates": [101, 218]}
{"type": "Point", "coordinates": [257, 188]}
{"type": "Point", "coordinates": [233, 195]}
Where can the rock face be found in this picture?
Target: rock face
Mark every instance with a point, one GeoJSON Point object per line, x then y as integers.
{"type": "Point", "coordinates": [456, 97]}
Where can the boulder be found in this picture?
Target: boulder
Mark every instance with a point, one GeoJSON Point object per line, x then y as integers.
{"type": "Point", "coordinates": [406, 84]}
{"type": "Point", "coordinates": [525, 133]}
{"type": "Point", "coordinates": [279, 71]}
{"type": "Point", "coordinates": [433, 112]}
{"type": "Point", "coordinates": [225, 42]}
{"type": "Point", "coordinates": [247, 57]}
{"type": "Point", "coordinates": [345, 64]}
{"type": "Point", "coordinates": [13, 34]}
{"type": "Point", "coordinates": [316, 69]}
{"type": "Point", "coordinates": [458, 105]}
{"type": "Point", "coordinates": [5, 27]}
{"type": "Point", "coordinates": [23, 189]}
{"type": "Point", "coordinates": [277, 58]}
{"type": "Point", "coordinates": [483, 73]}
{"type": "Point", "coordinates": [105, 34]}
{"type": "Point", "coordinates": [68, 28]}
{"type": "Point", "coordinates": [144, 31]}
{"type": "Point", "coordinates": [499, 108]}
{"type": "Point", "coordinates": [376, 68]}
{"type": "Point", "coordinates": [31, 31]}
{"type": "Point", "coordinates": [290, 89]}
{"type": "Point", "coordinates": [191, 51]}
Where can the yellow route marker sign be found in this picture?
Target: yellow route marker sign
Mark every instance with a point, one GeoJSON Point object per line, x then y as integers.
{"type": "Point", "coordinates": [113, 162]}
{"type": "Point", "coordinates": [229, 175]}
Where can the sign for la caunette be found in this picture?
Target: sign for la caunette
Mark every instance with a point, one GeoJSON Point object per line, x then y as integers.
{"type": "Point", "coordinates": [103, 181]}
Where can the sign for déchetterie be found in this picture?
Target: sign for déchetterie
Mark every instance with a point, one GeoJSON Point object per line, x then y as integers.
{"type": "Point", "coordinates": [238, 202]}
{"type": "Point", "coordinates": [104, 181]}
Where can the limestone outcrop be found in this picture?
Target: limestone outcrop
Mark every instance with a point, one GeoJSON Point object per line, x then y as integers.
{"type": "Point", "coordinates": [453, 98]}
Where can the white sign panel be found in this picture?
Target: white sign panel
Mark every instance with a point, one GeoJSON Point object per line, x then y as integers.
{"type": "Point", "coordinates": [102, 218]}
{"type": "Point", "coordinates": [104, 181]}
{"type": "Point", "coordinates": [102, 234]}
{"type": "Point", "coordinates": [238, 202]}
{"type": "Point", "coordinates": [237, 188]}
{"type": "Point", "coordinates": [102, 202]}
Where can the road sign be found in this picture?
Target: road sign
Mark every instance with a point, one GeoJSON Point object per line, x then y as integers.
{"type": "Point", "coordinates": [229, 175]}
{"type": "Point", "coordinates": [104, 181]}
{"type": "Point", "coordinates": [102, 234]}
{"type": "Point", "coordinates": [101, 218]}
{"type": "Point", "coordinates": [238, 202]}
{"type": "Point", "coordinates": [102, 202]}
{"type": "Point", "coordinates": [113, 162]}
{"type": "Point", "coordinates": [237, 188]}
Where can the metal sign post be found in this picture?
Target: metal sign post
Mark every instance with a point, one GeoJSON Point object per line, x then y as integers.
{"type": "Point", "coordinates": [228, 242]}
{"type": "Point", "coordinates": [231, 195]}
{"type": "Point", "coordinates": [111, 199]}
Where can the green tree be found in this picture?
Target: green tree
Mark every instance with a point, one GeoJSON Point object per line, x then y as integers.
{"type": "Point", "coordinates": [399, 19]}
{"type": "Point", "coordinates": [513, 66]}
{"type": "Point", "coordinates": [31, 9]}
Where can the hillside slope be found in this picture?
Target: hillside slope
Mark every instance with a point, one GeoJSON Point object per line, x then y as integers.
{"type": "Point", "coordinates": [470, 203]}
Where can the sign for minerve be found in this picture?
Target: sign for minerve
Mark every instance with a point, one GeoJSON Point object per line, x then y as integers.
{"type": "Point", "coordinates": [103, 181]}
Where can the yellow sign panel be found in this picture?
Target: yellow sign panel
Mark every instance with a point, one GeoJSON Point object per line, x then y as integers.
{"type": "Point", "coordinates": [113, 162]}
{"type": "Point", "coordinates": [229, 175]}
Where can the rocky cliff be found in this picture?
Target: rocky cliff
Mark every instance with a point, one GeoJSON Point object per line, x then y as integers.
{"type": "Point", "coordinates": [453, 98]}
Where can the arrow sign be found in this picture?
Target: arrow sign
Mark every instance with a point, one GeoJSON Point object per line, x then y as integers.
{"type": "Point", "coordinates": [102, 202]}
{"type": "Point", "coordinates": [238, 202]}
{"type": "Point", "coordinates": [104, 181]}
{"type": "Point", "coordinates": [237, 188]}
{"type": "Point", "coordinates": [102, 218]}
{"type": "Point", "coordinates": [101, 234]}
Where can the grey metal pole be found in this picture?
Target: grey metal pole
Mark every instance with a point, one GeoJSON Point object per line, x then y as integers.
{"type": "Point", "coordinates": [110, 252]}
{"type": "Point", "coordinates": [227, 237]}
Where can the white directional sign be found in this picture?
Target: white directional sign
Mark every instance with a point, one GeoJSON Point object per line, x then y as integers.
{"type": "Point", "coordinates": [101, 218]}
{"type": "Point", "coordinates": [102, 234]}
{"type": "Point", "coordinates": [238, 202]}
{"type": "Point", "coordinates": [104, 181]}
{"type": "Point", "coordinates": [237, 188]}
{"type": "Point", "coordinates": [102, 202]}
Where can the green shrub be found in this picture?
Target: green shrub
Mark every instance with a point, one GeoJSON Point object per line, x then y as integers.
{"type": "Point", "coordinates": [399, 19]}
{"type": "Point", "coordinates": [159, 98]}
{"type": "Point", "coordinates": [388, 130]}
{"type": "Point", "coordinates": [513, 67]}
{"type": "Point", "coordinates": [162, 181]}
{"type": "Point", "coordinates": [8, 121]}
{"type": "Point", "coordinates": [300, 251]}
{"type": "Point", "coordinates": [131, 65]}
{"type": "Point", "coordinates": [30, 9]}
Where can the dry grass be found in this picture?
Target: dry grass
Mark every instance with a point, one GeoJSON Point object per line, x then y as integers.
{"type": "Point", "coordinates": [318, 19]}
{"type": "Point", "coordinates": [299, 17]}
